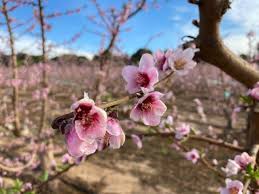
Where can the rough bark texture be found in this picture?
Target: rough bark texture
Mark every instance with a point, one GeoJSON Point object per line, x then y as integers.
{"type": "Point", "coordinates": [213, 50]}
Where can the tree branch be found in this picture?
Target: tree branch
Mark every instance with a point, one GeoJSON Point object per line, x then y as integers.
{"type": "Point", "coordinates": [212, 48]}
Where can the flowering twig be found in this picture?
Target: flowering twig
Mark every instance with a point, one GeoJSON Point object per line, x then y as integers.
{"type": "Point", "coordinates": [61, 120]}
{"type": "Point", "coordinates": [254, 153]}
{"type": "Point", "coordinates": [195, 137]}
{"type": "Point", "coordinates": [209, 166]}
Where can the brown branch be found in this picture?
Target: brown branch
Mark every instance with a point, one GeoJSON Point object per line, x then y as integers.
{"type": "Point", "coordinates": [41, 185]}
{"type": "Point", "coordinates": [197, 138]}
{"type": "Point", "coordinates": [212, 48]}
{"type": "Point", "coordinates": [117, 27]}
{"type": "Point", "coordinates": [138, 9]}
{"type": "Point", "coordinates": [209, 166]}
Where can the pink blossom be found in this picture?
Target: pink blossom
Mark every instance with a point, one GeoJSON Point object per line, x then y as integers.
{"type": "Point", "coordinates": [67, 159]}
{"type": "Point", "coordinates": [149, 109]}
{"type": "Point", "coordinates": [181, 60]}
{"type": "Point", "coordinates": [136, 140]}
{"type": "Point", "coordinates": [77, 147]}
{"type": "Point", "coordinates": [232, 187]}
{"type": "Point", "coordinates": [144, 76]}
{"type": "Point", "coordinates": [16, 82]}
{"type": "Point", "coordinates": [175, 146]}
{"type": "Point", "coordinates": [243, 160]}
{"type": "Point", "coordinates": [192, 155]}
{"type": "Point", "coordinates": [90, 120]}
{"type": "Point", "coordinates": [254, 93]}
{"type": "Point", "coordinates": [182, 130]}
{"type": "Point", "coordinates": [169, 121]}
{"type": "Point", "coordinates": [161, 59]}
{"type": "Point", "coordinates": [116, 135]}
{"type": "Point", "coordinates": [232, 168]}
{"type": "Point", "coordinates": [27, 186]}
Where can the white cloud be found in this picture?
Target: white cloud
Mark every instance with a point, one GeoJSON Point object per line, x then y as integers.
{"type": "Point", "coordinates": [181, 9]}
{"type": "Point", "coordinates": [189, 29]}
{"type": "Point", "coordinates": [30, 45]}
{"type": "Point", "coordinates": [176, 18]}
{"type": "Point", "coordinates": [238, 43]}
{"type": "Point", "coordinates": [245, 13]}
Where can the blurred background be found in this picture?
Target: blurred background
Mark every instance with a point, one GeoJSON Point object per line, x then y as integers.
{"type": "Point", "coordinates": [64, 48]}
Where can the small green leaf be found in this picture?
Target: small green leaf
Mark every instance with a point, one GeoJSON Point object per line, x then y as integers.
{"type": "Point", "coordinates": [30, 192]}
{"type": "Point", "coordinates": [44, 177]}
{"type": "Point", "coordinates": [256, 174]}
{"type": "Point", "coordinates": [249, 169]}
{"type": "Point", "coordinates": [246, 100]}
{"type": "Point", "coordinates": [18, 184]}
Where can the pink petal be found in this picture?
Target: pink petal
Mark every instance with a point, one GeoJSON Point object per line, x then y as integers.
{"type": "Point", "coordinates": [188, 53]}
{"type": "Point", "coordinates": [151, 119]}
{"type": "Point", "coordinates": [135, 114]}
{"type": "Point", "coordinates": [137, 141]}
{"type": "Point", "coordinates": [77, 147]}
{"type": "Point", "coordinates": [159, 108]}
{"type": "Point", "coordinates": [132, 87]}
{"type": "Point", "coordinates": [146, 62]}
{"type": "Point", "coordinates": [158, 55]}
{"type": "Point", "coordinates": [97, 129]}
{"type": "Point", "coordinates": [153, 76]}
{"type": "Point", "coordinates": [115, 142]}
{"type": "Point", "coordinates": [129, 73]}
{"type": "Point", "coordinates": [113, 127]}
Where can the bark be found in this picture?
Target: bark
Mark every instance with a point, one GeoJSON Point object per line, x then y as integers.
{"type": "Point", "coordinates": [213, 50]}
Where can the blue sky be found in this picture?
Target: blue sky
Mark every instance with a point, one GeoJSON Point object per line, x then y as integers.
{"type": "Point", "coordinates": [172, 19]}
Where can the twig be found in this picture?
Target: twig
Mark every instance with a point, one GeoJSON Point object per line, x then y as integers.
{"type": "Point", "coordinates": [195, 137]}
{"type": "Point", "coordinates": [20, 168]}
{"type": "Point", "coordinates": [38, 187]}
{"type": "Point", "coordinates": [209, 166]}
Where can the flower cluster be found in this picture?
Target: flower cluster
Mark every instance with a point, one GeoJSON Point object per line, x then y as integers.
{"type": "Point", "coordinates": [149, 108]}
{"type": "Point", "coordinates": [92, 129]}
{"type": "Point", "coordinates": [240, 162]}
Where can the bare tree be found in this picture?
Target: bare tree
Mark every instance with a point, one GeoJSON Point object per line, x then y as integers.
{"type": "Point", "coordinates": [44, 61]}
{"type": "Point", "coordinates": [15, 95]}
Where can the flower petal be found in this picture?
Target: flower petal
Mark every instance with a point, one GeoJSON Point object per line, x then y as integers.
{"type": "Point", "coordinates": [146, 62]}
